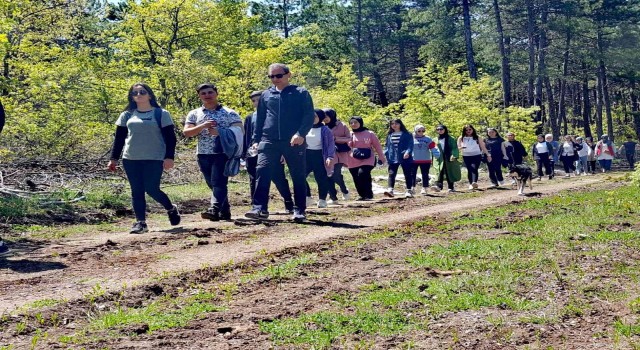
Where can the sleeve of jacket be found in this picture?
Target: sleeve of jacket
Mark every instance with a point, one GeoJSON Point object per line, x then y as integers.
{"type": "Point", "coordinates": [170, 141]}
{"type": "Point", "coordinates": [248, 134]}
{"type": "Point", "coordinates": [408, 143]}
{"type": "Point", "coordinates": [376, 145]}
{"type": "Point", "coordinates": [385, 150]}
{"type": "Point", "coordinates": [308, 114]}
{"type": "Point", "coordinates": [261, 115]}
{"type": "Point", "coordinates": [118, 142]}
{"type": "Point", "coordinates": [523, 150]}
{"type": "Point", "coordinates": [329, 142]}
{"type": "Point", "coordinates": [435, 151]}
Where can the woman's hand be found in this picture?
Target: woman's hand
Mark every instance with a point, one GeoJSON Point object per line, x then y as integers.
{"type": "Point", "coordinates": [167, 164]}
{"type": "Point", "coordinates": [328, 162]}
{"type": "Point", "coordinates": [113, 164]}
{"type": "Point", "coordinates": [406, 156]}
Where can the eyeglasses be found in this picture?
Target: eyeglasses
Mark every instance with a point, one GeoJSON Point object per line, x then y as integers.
{"type": "Point", "coordinates": [139, 92]}
{"type": "Point", "coordinates": [277, 76]}
{"type": "Point", "coordinates": [439, 129]}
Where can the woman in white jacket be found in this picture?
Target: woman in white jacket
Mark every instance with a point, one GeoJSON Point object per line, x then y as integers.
{"type": "Point", "coordinates": [583, 157]}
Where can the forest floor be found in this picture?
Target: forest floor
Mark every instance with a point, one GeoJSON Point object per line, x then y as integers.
{"type": "Point", "coordinates": [486, 269]}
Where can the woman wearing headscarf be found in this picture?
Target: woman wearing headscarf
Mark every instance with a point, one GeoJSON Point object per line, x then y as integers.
{"type": "Point", "coordinates": [321, 149]}
{"type": "Point", "coordinates": [605, 153]}
{"type": "Point", "coordinates": [342, 136]}
{"type": "Point", "coordinates": [447, 165]}
{"type": "Point", "coordinates": [361, 159]}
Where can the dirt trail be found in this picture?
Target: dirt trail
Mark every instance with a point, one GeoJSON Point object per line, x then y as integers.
{"type": "Point", "coordinates": [71, 268]}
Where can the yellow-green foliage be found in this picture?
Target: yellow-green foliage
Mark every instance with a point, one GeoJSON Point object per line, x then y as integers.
{"type": "Point", "coordinates": [447, 95]}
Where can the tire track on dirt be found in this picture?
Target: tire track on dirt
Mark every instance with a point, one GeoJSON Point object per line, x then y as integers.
{"type": "Point", "coordinates": [141, 265]}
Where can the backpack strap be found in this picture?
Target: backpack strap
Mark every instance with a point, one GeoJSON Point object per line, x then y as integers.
{"type": "Point", "coordinates": [157, 113]}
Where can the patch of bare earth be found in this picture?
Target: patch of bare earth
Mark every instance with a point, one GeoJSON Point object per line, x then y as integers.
{"type": "Point", "coordinates": [76, 265]}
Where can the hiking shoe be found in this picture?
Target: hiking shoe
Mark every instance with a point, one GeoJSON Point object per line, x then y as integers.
{"type": "Point", "coordinates": [139, 227]}
{"type": "Point", "coordinates": [500, 183]}
{"type": "Point", "coordinates": [451, 190]}
{"type": "Point", "coordinates": [225, 216]}
{"type": "Point", "coordinates": [211, 214]}
{"type": "Point", "coordinates": [174, 215]}
{"type": "Point", "coordinates": [3, 248]}
{"type": "Point", "coordinates": [257, 213]}
{"type": "Point", "coordinates": [423, 191]}
{"type": "Point", "coordinates": [475, 185]}
{"type": "Point", "coordinates": [298, 216]}
{"type": "Point", "coordinates": [322, 203]}
{"type": "Point", "coordinates": [332, 201]}
{"type": "Point", "coordinates": [492, 185]}
{"type": "Point", "coordinates": [346, 196]}
{"type": "Point", "coordinates": [389, 193]}
{"type": "Point", "coordinates": [435, 188]}
{"type": "Point", "coordinates": [408, 194]}
{"type": "Point", "coordinates": [471, 187]}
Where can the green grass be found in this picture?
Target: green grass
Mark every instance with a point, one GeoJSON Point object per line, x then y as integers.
{"type": "Point", "coordinates": [286, 270]}
{"type": "Point", "coordinates": [493, 272]}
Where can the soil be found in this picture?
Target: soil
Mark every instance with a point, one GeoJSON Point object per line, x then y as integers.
{"type": "Point", "coordinates": [131, 270]}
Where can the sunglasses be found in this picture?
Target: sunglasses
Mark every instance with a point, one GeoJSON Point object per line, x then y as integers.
{"type": "Point", "coordinates": [277, 76]}
{"type": "Point", "coordinates": [439, 129]}
{"type": "Point", "coordinates": [420, 130]}
{"type": "Point", "coordinates": [139, 92]}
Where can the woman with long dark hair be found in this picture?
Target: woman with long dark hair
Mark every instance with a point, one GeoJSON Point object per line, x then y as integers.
{"type": "Point", "coordinates": [146, 133]}
{"type": "Point", "coordinates": [447, 165]}
{"type": "Point", "coordinates": [495, 145]}
{"type": "Point", "coordinates": [398, 150]}
{"type": "Point", "coordinates": [472, 147]}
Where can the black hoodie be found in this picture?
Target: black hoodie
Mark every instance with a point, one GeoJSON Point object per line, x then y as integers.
{"type": "Point", "coordinates": [282, 114]}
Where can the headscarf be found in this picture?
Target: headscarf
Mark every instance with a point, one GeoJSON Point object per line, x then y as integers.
{"type": "Point", "coordinates": [359, 120]}
{"type": "Point", "coordinates": [446, 152]}
{"type": "Point", "coordinates": [333, 116]}
{"type": "Point", "coordinates": [321, 115]}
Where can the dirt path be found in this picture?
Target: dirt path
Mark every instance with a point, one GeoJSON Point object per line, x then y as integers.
{"type": "Point", "coordinates": [69, 269]}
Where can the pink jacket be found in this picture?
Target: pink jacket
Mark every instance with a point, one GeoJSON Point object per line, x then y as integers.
{"type": "Point", "coordinates": [342, 135]}
{"type": "Point", "coordinates": [365, 139]}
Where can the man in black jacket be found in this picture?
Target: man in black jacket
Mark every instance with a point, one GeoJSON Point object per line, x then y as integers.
{"type": "Point", "coordinates": [284, 117]}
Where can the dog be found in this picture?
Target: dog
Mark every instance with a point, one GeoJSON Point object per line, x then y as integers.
{"type": "Point", "coordinates": [521, 174]}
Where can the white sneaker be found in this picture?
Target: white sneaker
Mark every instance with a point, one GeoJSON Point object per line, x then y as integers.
{"type": "Point", "coordinates": [408, 194]}
{"type": "Point", "coordinates": [331, 201]}
{"type": "Point", "coordinates": [567, 175]}
{"type": "Point", "coordinates": [475, 185]}
{"type": "Point", "coordinates": [451, 190]}
{"type": "Point", "coordinates": [310, 202]}
{"type": "Point", "coordinates": [423, 191]}
{"type": "Point", "coordinates": [500, 183]}
{"type": "Point", "coordinates": [322, 203]}
{"type": "Point", "coordinates": [389, 192]}
{"type": "Point", "coordinates": [346, 196]}
{"type": "Point", "coordinates": [471, 187]}
{"type": "Point", "coordinates": [435, 188]}
{"type": "Point", "coordinates": [492, 185]}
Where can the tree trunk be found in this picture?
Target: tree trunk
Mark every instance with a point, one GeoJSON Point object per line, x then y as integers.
{"type": "Point", "coordinates": [599, 104]}
{"type": "Point", "coordinates": [506, 71]}
{"type": "Point", "coordinates": [531, 22]}
{"type": "Point", "coordinates": [381, 92]}
{"type": "Point", "coordinates": [285, 18]}
{"type": "Point", "coordinates": [563, 83]}
{"type": "Point", "coordinates": [586, 110]}
{"type": "Point", "coordinates": [402, 57]}
{"type": "Point", "coordinates": [543, 75]}
{"type": "Point", "coordinates": [635, 109]}
{"type": "Point", "coordinates": [473, 72]}
{"type": "Point", "coordinates": [359, 53]}
{"type": "Point", "coordinates": [605, 86]}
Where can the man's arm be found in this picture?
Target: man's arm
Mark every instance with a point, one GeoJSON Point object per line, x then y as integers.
{"type": "Point", "coordinates": [308, 114]}
{"type": "Point", "coordinates": [261, 116]}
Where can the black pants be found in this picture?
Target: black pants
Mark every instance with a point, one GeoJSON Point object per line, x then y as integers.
{"type": "Point", "coordinates": [337, 179]}
{"type": "Point", "coordinates": [472, 163]}
{"type": "Point", "coordinates": [544, 161]}
{"type": "Point", "coordinates": [424, 169]}
{"type": "Point", "coordinates": [212, 168]}
{"type": "Point", "coordinates": [568, 164]}
{"type": "Point", "coordinates": [144, 177]}
{"type": "Point", "coordinates": [631, 158]}
{"type": "Point", "coordinates": [592, 166]}
{"type": "Point", "coordinates": [442, 175]}
{"type": "Point", "coordinates": [315, 165]}
{"type": "Point", "coordinates": [279, 179]}
{"type": "Point", "coordinates": [406, 170]}
{"type": "Point", "coordinates": [495, 170]}
{"type": "Point", "coordinates": [362, 179]}
{"type": "Point", "coordinates": [269, 154]}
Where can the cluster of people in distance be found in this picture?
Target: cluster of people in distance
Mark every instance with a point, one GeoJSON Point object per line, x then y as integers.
{"type": "Point", "coordinates": [286, 129]}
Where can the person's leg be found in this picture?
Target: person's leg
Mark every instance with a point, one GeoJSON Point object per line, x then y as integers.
{"type": "Point", "coordinates": [220, 199]}
{"type": "Point", "coordinates": [295, 156]}
{"type": "Point", "coordinates": [393, 171]}
{"type": "Point", "coordinates": [152, 174]}
{"type": "Point", "coordinates": [467, 164]}
{"type": "Point", "coordinates": [539, 166]}
{"type": "Point", "coordinates": [319, 173]}
{"type": "Point", "coordinates": [365, 177]}
{"type": "Point", "coordinates": [268, 161]}
{"type": "Point", "coordinates": [414, 172]}
{"type": "Point", "coordinates": [446, 173]}
{"type": "Point", "coordinates": [250, 165]}
{"type": "Point", "coordinates": [441, 176]}
{"type": "Point", "coordinates": [339, 179]}
{"type": "Point", "coordinates": [355, 174]}
{"type": "Point", "coordinates": [547, 166]}
{"type": "Point", "coordinates": [424, 170]}
{"type": "Point", "coordinates": [566, 166]}
{"type": "Point", "coordinates": [133, 169]}
{"type": "Point", "coordinates": [608, 164]}
{"type": "Point", "coordinates": [282, 185]}
{"type": "Point", "coordinates": [408, 175]}
{"type": "Point", "coordinates": [333, 193]}
{"type": "Point", "coordinates": [631, 160]}
{"type": "Point", "coordinates": [592, 166]}
{"type": "Point", "coordinates": [498, 170]}
{"type": "Point", "coordinates": [492, 172]}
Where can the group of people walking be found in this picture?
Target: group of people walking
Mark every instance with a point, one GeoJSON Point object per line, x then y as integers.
{"type": "Point", "coordinates": [286, 130]}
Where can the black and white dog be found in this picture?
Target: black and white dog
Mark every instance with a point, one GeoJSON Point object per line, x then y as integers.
{"type": "Point", "coordinates": [521, 174]}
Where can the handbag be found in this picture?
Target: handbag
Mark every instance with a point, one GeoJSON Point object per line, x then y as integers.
{"type": "Point", "coordinates": [361, 153]}
{"type": "Point", "coordinates": [342, 147]}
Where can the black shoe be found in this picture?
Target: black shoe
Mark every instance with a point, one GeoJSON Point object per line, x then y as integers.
{"type": "Point", "coordinates": [3, 248]}
{"type": "Point", "coordinates": [257, 214]}
{"type": "Point", "coordinates": [288, 207]}
{"type": "Point", "coordinates": [225, 216]}
{"type": "Point", "coordinates": [174, 215]}
{"type": "Point", "coordinates": [210, 214]}
{"type": "Point", "coordinates": [139, 227]}
{"type": "Point", "coordinates": [299, 216]}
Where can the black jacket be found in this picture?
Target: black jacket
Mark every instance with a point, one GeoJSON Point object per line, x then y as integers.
{"type": "Point", "coordinates": [283, 114]}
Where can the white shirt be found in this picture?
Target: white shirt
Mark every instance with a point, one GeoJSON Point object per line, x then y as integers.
{"type": "Point", "coordinates": [567, 149]}
{"type": "Point", "coordinates": [541, 147]}
{"type": "Point", "coordinates": [314, 139]}
{"type": "Point", "coordinates": [470, 147]}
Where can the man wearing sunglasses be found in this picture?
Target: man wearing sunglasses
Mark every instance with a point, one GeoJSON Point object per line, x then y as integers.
{"type": "Point", "coordinates": [285, 114]}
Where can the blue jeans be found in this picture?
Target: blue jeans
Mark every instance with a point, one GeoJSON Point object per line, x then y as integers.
{"type": "Point", "coordinates": [144, 177]}
{"type": "Point", "coordinates": [582, 164]}
{"type": "Point", "coordinates": [269, 154]}
{"type": "Point", "coordinates": [212, 168]}
{"type": "Point", "coordinates": [605, 164]}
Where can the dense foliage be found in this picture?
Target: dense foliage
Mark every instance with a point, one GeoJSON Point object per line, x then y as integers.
{"type": "Point", "coordinates": [560, 66]}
